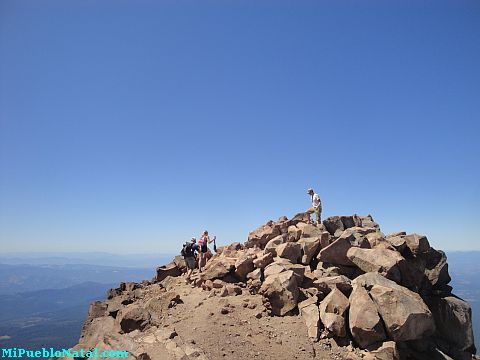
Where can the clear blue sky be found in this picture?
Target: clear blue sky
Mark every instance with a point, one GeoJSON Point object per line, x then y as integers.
{"type": "Point", "coordinates": [129, 126]}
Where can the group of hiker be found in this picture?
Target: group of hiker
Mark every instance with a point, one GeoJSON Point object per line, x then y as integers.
{"type": "Point", "coordinates": [195, 253]}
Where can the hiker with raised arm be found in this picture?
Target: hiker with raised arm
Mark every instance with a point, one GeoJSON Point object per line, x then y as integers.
{"type": "Point", "coordinates": [316, 205]}
{"type": "Point", "coordinates": [202, 243]}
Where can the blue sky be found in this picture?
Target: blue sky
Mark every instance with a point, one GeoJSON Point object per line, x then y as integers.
{"type": "Point", "coordinates": [129, 126]}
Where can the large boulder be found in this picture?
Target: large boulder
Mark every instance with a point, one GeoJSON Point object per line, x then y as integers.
{"type": "Point", "coordinates": [309, 248]}
{"type": "Point", "coordinates": [417, 243]}
{"type": "Point", "coordinates": [170, 269]}
{"type": "Point", "coordinates": [293, 233]}
{"type": "Point", "coordinates": [364, 322]}
{"type": "Point", "coordinates": [387, 351]}
{"type": "Point", "coordinates": [133, 318]}
{"type": "Point", "coordinates": [386, 262]}
{"type": "Point", "coordinates": [310, 313]}
{"type": "Point", "coordinates": [405, 315]}
{"type": "Point", "coordinates": [309, 230]}
{"type": "Point", "coordinates": [333, 224]}
{"type": "Point", "coordinates": [291, 251]}
{"type": "Point", "coordinates": [453, 318]}
{"type": "Point", "coordinates": [243, 266]}
{"type": "Point", "coordinates": [281, 291]}
{"type": "Point", "coordinates": [218, 268]}
{"type": "Point", "coordinates": [333, 311]}
{"type": "Point", "coordinates": [328, 283]}
{"type": "Point", "coordinates": [398, 242]}
{"type": "Point", "coordinates": [336, 253]}
{"type": "Point", "coordinates": [263, 260]}
{"type": "Point", "coordinates": [272, 245]}
{"type": "Point", "coordinates": [262, 235]}
{"type": "Point", "coordinates": [436, 268]}
{"type": "Point", "coordinates": [273, 269]}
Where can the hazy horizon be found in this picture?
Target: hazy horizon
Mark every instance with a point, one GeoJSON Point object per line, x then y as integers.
{"type": "Point", "coordinates": [131, 127]}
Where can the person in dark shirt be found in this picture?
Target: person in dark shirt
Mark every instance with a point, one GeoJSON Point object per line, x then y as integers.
{"type": "Point", "coordinates": [189, 252]}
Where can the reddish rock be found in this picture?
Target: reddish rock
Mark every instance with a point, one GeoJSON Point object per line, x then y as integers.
{"type": "Point", "coordinates": [332, 312]}
{"type": "Point", "coordinates": [329, 283]}
{"type": "Point", "coordinates": [386, 262]}
{"type": "Point", "coordinates": [281, 290]}
{"type": "Point", "coordinates": [364, 322]}
{"type": "Point", "coordinates": [167, 270]}
{"type": "Point", "coordinates": [263, 260]}
{"type": "Point", "coordinates": [311, 315]}
{"type": "Point", "coordinates": [417, 243]}
{"type": "Point", "coordinates": [290, 251]}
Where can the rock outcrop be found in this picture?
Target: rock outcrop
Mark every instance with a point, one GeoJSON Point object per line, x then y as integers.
{"type": "Point", "coordinates": [386, 296]}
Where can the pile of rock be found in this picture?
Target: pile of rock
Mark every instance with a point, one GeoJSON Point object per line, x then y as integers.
{"type": "Point", "coordinates": [387, 295]}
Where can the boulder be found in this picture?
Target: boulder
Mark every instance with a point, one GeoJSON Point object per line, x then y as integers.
{"type": "Point", "coordinates": [309, 230]}
{"type": "Point", "coordinates": [298, 270]}
{"type": "Point", "coordinates": [336, 253]}
{"type": "Point", "coordinates": [386, 262]}
{"type": "Point", "coordinates": [255, 275]}
{"type": "Point", "coordinates": [290, 251]}
{"type": "Point", "coordinates": [273, 269]}
{"type": "Point", "coordinates": [179, 261]}
{"type": "Point", "coordinates": [453, 318]}
{"type": "Point", "coordinates": [383, 351]}
{"type": "Point", "coordinates": [405, 315]}
{"type": "Point", "coordinates": [329, 283]}
{"type": "Point", "coordinates": [243, 266]}
{"type": "Point", "coordinates": [302, 217]}
{"type": "Point", "coordinates": [309, 248]}
{"type": "Point", "coordinates": [167, 270]}
{"type": "Point", "coordinates": [325, 239]}
{"type": "Point", "coordinates": [272, 245]}
{"type": "Point", "coordinates": [417, 243]}
{"type": "Point", "coordinates": [377, 240]}
{"type": "Point", "coordinates": [217, 268]}
{"type": "Point", "coordinates": [263, 260]}
{"type": "Point", "coordinates": [366, 221]}
{"type": "Point", "coordinates": [333, 224]}
{"type": "Point", "coordinates": [398, 242]}
{"type": "Point", "coordinates": [311, 315]}
{"type": "Point", "coordinates": [281, 291]}
{"type": "Point", "coordinates": [332, 312]}
{"type": "Point", "coordinates": [133, 318]}
{"type": "Point", "coordinates": [293, 233]}
{"type": "Point", "coordinates": [262, 235]}
{"type": "Point", "coordinates": [436, 268]}
{"type": "Point", "coordinates": [364, 322]}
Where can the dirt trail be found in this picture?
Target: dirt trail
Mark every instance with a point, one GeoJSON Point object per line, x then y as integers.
{"type": "Point", "coordinates": [237, 327]}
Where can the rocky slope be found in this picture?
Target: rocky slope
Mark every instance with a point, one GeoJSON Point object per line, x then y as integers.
{"type": "Point", "coordinates": [339, 290]}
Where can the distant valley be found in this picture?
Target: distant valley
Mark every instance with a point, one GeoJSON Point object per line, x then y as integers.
{"type": "Point", "coordinates": [44, 303]}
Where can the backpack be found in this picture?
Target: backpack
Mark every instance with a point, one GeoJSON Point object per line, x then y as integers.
{"type": "Point", "coordinates": [187, 250]}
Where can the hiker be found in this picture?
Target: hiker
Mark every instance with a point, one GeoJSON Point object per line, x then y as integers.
{"type": "Point", "coordinates": [316, 205]}
{"type": "Point", "coordinates": [189, 254]}
{"type": "Point", "coordinates": [203, 249]}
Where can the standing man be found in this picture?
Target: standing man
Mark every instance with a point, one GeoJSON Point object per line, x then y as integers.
{"type": "Point", "coordinates": [316, 205]}
{"type": "Point", "coordinates": [189, 254]}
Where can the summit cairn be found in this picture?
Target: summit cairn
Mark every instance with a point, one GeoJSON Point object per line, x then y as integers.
{"type": "Point", "coordinates": [356, 293]}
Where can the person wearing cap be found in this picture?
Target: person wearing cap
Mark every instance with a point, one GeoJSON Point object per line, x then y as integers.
{"type": "Point", "coordinates": [189, 254]}
{"type": "Point", "coordinates": [316, 205]}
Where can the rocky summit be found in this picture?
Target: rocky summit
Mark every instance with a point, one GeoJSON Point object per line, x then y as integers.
{"type": "Point", "coordinates": [338, 290]}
